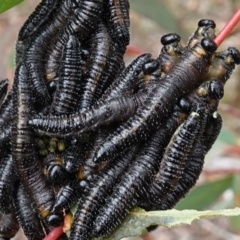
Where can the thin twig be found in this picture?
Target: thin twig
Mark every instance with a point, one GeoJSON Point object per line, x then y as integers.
{"type": "Point", "coordinates": [228, 28]}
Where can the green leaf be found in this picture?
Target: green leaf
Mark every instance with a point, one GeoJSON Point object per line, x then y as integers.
{"type": "Point", "coordinates": [203, 196]}
{"type": "Point", "coordinates": [235, 222]}
{"type": "Point", "coordinates": [138, 220]}
{"type": "Point", "coordinates": [227, 137]}
{"type": "Point", "coordinates": [157, 12]}
{"type": "Point", "coordinates": [7, 4]}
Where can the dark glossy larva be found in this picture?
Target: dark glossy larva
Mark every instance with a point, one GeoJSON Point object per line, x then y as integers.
{"type": "Point", "coordinates": [73, 157]}
{"type": "Point", "coordinates": [6, 111]}
{"type": "Point", "coordinates": [135, 181]}
{"type": "Point", "coordinates": [108, 111]}
{"type": "Point", "coordinates": [26, 164]}
{"type": "Point", "coordinates": [5, 135]}
{"type": "Point", "coordinates": [119, 21]}
{"type": "Point", "coordinates": [54, 57]}
{"type": "Point", "coordinates": [76, 88]}
{"type": "Point", "coordinates": [66, 97]}
{"type": "Point", "coordinates": [206, 28]}
{"type": "Point", "coordinates": [126, 79]}
{"type": "Point", "coordinates": [114, 68]}
{"type": "Point", "coordinates": [67, 197]}
{"type": "Point", "coordinates": [223, 64]}
{"type": "Point", "coordinates": [156, 110]}
{"type": "Point", "coordinates": [7, 183]}
{"type": "Point", "coordinates": [213, 128]}
{"type": "Point", "coordinates": [95, 197]}
{"type": "Point", "coordinates": [170, 52]}
{"type": "Point", "coordinates": [195, 162]}
{"type": "Point", "coordinates": [175, 157]}
{"type": "Point", "coordinates": [86, 18]}
{"type": "Point", "coordinates": [38, 46]}
{"type": "Point", "coordinates": [98, 61]}
{"type": "Point", "coordinates": [27, 218]}
{"type": "Point", "coordinates": [39, 15]}
{"type": "Point", "coordinates": [124, 82]}
{"type": "Point", "coordinates": [3, 89]}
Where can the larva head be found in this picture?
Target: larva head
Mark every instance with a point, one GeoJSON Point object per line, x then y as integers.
{"type": "Point", "coordinates": [171, 44]}
{"type": "Point", "coordinates": [206, 23]}
{"type": "Point", "coordinates": [51, 86]}
{"type": "Point", "coordinates": [209, 45]}
{"type": "Point", "coordinates": [85, 53]}
{"type": "Point", "coordinates": [55, 219]}
{"type": "Point", "coordinates": [185, 105]}
{"type": "Point", "coordinates": [171, 38]}
{"type": "Point", "coordinates": [204, 50]}
{"type": "Point", "coordinates": [57, 175]}
{"type": "Point", "coordinates": [206, 29]}
{"type": "Point", "coordinates": [150, 66]}
{"type": "Point", "coordinates": [215, 89]}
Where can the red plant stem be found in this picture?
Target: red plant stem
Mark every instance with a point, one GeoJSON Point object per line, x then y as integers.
{"type": "Point", "coordinates": [133, 50]}
{"type": "Point", "coordinates": [54, 234]}
{"type": "Point", "coordinates": [228, 28]}
{"type": "Point", "coordinates": [221, 172]}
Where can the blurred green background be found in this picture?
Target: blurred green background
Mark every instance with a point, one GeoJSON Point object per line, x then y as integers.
{"type": "Point", "coordinates": [219, 184]}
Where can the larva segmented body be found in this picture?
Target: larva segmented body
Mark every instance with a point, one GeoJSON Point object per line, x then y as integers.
{"type": "Point", "coordinates": [170, 52]}
{"type": "Point", "coordinates": [3, 90]}
{"type": "Point", "coordinates": [126, 79]}
{"type": "Point", "coordinates": [27, 219]}
{"type": "Point", "coordinates": [66, 97]}
{"type": "Point", "coordinates": [205, 29]}
{"type": "Point", "coordinates": [26, 165]}
{"type": "Point", "coordinates": [73, 157]}
{"type": "Point", "coordinates": [5, 133]}
{"type": "Point", "coordinates": [99, 59]}
{"type": "Point", "coordinates": [100, 188]}
{"type": "Point", "coordinates": [134, 183]}
{"type": "Point", "coordinates": [40, 15]}
{"type": "Point", "coordinates": [38, 45]}
{"type": "Point", "coordinates": [86, 18]}
{"type": "Point", "coordinates": [213, 128]}
{"type": "Point", "coordinates": [173, 87]}
{"type": "Point", "coordinates": [119, 21]}
{"type": "Point", "coordinates": [7, 183]}
{"type": "Point", "coordinates": [114, 67]}
{"type": "Point", "coordinates": [142, 67]}
{"type": "Point", "coordinates": [67, 197]}
{"type": "Point", "coordinates": [6, 111]}
{"type": "Point", "coordinates": [54, 57]}
{"type": "Point", "coordinates": [173, 163]}
{"type": "Point", "coordinates": [195, 162]}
